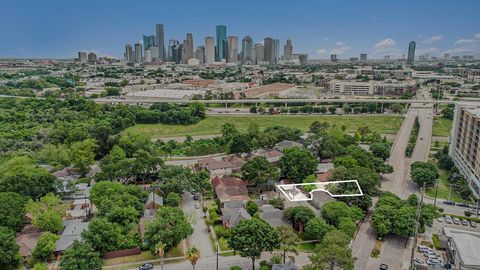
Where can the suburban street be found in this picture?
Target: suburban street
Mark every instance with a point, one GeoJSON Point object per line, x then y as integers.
{"type": "Point", "coordinates": [394, 252]}
{"type": "Point", "coordinates": [199, 238]}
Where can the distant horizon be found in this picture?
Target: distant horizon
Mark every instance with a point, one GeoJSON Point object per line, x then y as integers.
{"type": "Point", "coordinates": [57, 29]}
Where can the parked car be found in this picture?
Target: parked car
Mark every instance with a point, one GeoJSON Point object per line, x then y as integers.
{"type": "Point", "coordinates": [383, 266]}
{"type": "Point", "coordinates": [431, 256]}
{"type": "Point", "coordinates": [464, 222]}
{"type": "Point", "coordinates": [196, 197]}
{"type": "Point", "coordinates": [424, 249]}
{"type": "Point", "coordinates": [197, 205]}
{"type": "Point", "coordinates": [147, 266]}
{"type": "Point", "coordinates": [473, 224]}
{"type": "Point", "coordinates": [440, 219]}
{"type": "Point", "coordinates": [434, 262]}
{"type": "Point", "coordinates": [448, 219]}
{"type": "Point", "coordinates": [462, 205]}
{"type": "Point", "coordinates": [449, 202]}
{"type": "Point", "coordinates": [456, 220]}
{"type": "Point", "coordinates": [418, 261]}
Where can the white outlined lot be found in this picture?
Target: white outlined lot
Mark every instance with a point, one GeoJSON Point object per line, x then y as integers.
{"type": "Point", "coordinates": [336, 189]}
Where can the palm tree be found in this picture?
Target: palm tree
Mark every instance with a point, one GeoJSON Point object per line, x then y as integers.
{"type": "Point", "coordinates": [193, 254]}
{"type": "Point", "coordinates": [160, 250]}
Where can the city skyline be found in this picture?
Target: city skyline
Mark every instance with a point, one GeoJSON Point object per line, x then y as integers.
{"type": "Point", "coordinates": [383, 29]}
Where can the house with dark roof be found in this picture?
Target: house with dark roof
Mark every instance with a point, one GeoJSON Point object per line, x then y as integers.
{"type": "Point", "coordinates": [230, 189]}
{"type": "Point", "coordinates": [273, 216]}
{"type": "Point", "coordinates": [221, 166]}
{"type": "Point", "coordinates": [231, 217]}
{"type": "Point", "coordinates": [73, 231]}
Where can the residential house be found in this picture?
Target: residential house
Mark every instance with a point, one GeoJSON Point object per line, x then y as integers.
{"type": "Point", "coordinates": [215, 166]}
{"type": "Point", "coordinates": [272, 155]}
{"type": "Point", "coordinates": [285, 266]}
{"type": "Point", "coordinates": [153, 202]}
{"type": "Point", "coordinates": [324, 171]}
{"type": "Point", "coordinates": [287, 144]}
{"type": "Point", "coordinates": [230, 189]}
{"type": "Point", "coordinates": [27, 240]}
{"type": "Point", "coordinates": [73, 231]}
{"type": "Point", "coordinates": [231, 217]}
{"type": "Point", "coordinates": [221, 166]}
{"type": "Point", "coordinates": [273, 216]}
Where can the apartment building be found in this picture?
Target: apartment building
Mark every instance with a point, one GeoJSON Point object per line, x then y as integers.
{"type": "Point", "coordinates": [464, 143]}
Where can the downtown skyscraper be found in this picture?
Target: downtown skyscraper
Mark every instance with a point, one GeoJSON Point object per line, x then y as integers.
{"type": "Point", "coordinates": [247, 51]}
{"type": "Point", "coordinates": [411, 52]}
{"type": "Point", "coordinates": [232, 49]}
{"type": "Point", "coordinates": [187, 48]}
{"type": "Point", "coordinates": [221, 52]}
{"type": "Point", "coordinates": [160, 41]}
{"type": "Point", "coordinates": [288, 50]}
{"type": "Point", "coordinates": [269, 48]}
{"type": "Point", "coordinates": [209, 50]}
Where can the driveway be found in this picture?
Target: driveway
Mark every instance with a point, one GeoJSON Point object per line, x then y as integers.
{"type": "Point", "coordinates": [200, 237]}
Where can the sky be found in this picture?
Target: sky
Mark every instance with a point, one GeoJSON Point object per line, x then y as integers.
{"type": "Point", "coordinates": [60, 28]}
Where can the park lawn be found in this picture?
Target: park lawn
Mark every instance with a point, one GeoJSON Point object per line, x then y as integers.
{"type": "Point", "coordinates": [443, 189]}
{"type": "Point", "coordinates": [441, 126]}
{"type": "Point", "coordinates": [385, 124]}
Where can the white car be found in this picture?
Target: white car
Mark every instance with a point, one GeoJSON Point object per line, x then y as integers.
{"type": "Point", "coordinates": [448, 219]}
{"type": "Point", "coordinates": [435, 262]}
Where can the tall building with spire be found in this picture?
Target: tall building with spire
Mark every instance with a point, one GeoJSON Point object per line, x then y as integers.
{"type": "Point", "coordinates": [247, 51]}
{"type": "Point", "coordinates": [232, 49]}
{"type": "Point", "coordinates": [288, 50]}
{"type": "Point", "coordinates": [221, 50]}
{"type": "Point", "coordinates": [159, 41]}
{"type": "Point", "coordinates": [209, 50]}
{"type": "Point", "coordinates": [411, 52]}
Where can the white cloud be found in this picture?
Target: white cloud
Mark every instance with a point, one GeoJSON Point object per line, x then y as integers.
{"type": "Point", "coordinates": [340, 48]}
{"type": "Point", "coordinates": [465, 41]}
{"type": "Point", "coordinates": [477, 35]}
{"type": "Point", "coordinates": [386, 43]}
{"type": "Point", "coordinates": [386, 47]}
{"type": "Point", "coordinates": [432, 39]}
{"type": "Point", "coordinates": [321, 51]}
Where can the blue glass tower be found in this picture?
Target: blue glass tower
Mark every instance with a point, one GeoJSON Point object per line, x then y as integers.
{"type": "Point", "coordinates": [221, 51]}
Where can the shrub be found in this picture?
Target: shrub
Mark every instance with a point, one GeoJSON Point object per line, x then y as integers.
{"type": "Point", "coordinates": [436, 242]}
{"type": "Point", "coordinates": [236, 267]}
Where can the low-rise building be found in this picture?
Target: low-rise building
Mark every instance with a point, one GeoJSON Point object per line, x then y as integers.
{"type": "Point", "coordinates": [463, 248]}
{"type": "Point", "coordinates": [387, 87]}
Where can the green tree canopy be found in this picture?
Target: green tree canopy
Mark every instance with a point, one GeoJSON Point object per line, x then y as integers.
{"type": "Point", "coordinates": [259, 171]}
{"type": "Point", "coordinates": [81, 256]}
{"type": "Point", "coordinates": [103, 235]}
{"type": "Point", "coordinates": [9, 256]}
{"type": "Point", "coordinates": [316, 228]}
{"type": "Point", "coordinates": [251, 237]}
{"type": "Point", "coordinates": [299, 215]}
{"type": "Point", "coordinates": [82, 155]}
{"type": "Point", "coordinates": [45, 247]}
{"type": "Point", "coordinates": [296, 164]}
{"type": "Point", "coordinates": [170, 227]}
{"type": "Point", "coordinates": [12, 215]}
{"type": "Point", "coordinates": [23, 176]}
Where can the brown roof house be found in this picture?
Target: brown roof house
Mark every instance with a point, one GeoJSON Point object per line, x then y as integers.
{"type": "Point", "coordinates": [230, 189]}
{"type": "Point", "coordinates": [221, 166]}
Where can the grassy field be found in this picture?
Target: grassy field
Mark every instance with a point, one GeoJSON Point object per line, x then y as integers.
{"type": "Point", "coordinates": [388, 124]}
{"type": "Point", "coordinates": [441, 126]}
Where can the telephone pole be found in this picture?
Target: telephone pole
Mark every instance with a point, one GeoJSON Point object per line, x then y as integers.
{"type": "Point", "coordinates": [417, 221]}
